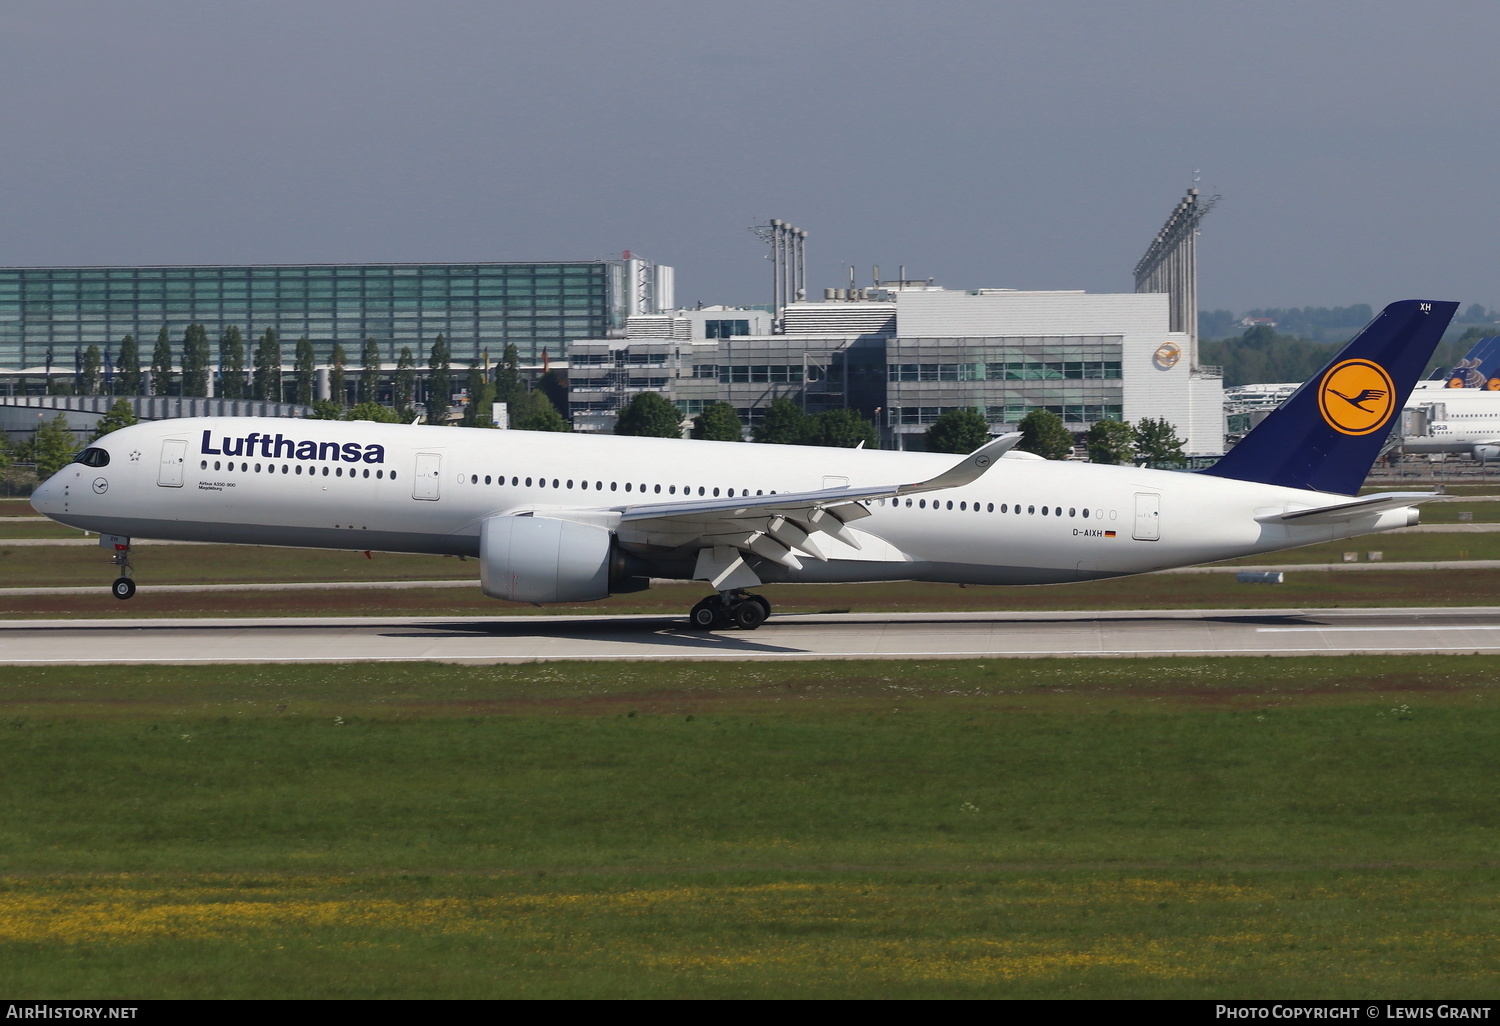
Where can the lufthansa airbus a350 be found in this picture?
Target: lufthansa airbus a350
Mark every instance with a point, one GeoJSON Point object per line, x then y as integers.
{"type": "Point", "coordinates": [570, 518]}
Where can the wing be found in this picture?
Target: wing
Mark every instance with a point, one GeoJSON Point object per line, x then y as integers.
{"type": "Point", "coordinates": [781, 527]}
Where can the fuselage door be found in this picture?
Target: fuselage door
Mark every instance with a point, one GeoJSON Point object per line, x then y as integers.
{"type": "Point", "coordinates": [173, 458]}
{"type": "Point", "coordinates": [429, 469]}
{"type": "Point", "coordinates": [1147, 516]}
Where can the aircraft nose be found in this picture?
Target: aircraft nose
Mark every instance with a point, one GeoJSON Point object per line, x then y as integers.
{"type": "Point", "coordinates": [46, 497]}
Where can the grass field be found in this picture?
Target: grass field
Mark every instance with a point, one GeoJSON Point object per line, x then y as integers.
{"type": "Point", "coordinates": [1210, 828]}
{"type": "Point", "coordinates": [1303, 589]}
{"type": "Point", "coordinates": [73, 566]}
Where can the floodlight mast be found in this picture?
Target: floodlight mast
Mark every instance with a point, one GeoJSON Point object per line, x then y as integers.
{"type": "Point", "coordinates": [1171, 265]}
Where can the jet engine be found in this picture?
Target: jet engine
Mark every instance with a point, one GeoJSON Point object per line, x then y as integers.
{"type": "Point", "coordinates": [539, 559]}
{"type": "Point", "coordinates": [1486, 453]}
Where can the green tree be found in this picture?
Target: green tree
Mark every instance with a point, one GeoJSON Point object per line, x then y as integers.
{"type": "Point", "coordinates": [93, 371]}
{"type": "Point", "coordinates": [1157, 444]}
{"type": "Point", "coordinates": [369, 372]}
{"type": "Point", "coordinates": [120, 415]}
{"type": "Point", "coordinates": [1111, 442]}
{"type": "Point", "coordinates": [336, 375]}
{"type": "Point", "coordinates": [1262, 355]}
{"type": "Point", "coordinates": [718, 423]}
{"type": "Point", "coordinates": [187, 377]}
{"type": "Point", "coordinates": [551, 385]}
{"type": "Point", "coordinates": [1043, 433]}
{"type": "Point", "coordinates": [783, 423]}
{"type": "Point", "coordinates": [7, 453]}
{"type": "Point", "coordinates": [268, 367]}
{"type": "Point", "coordinates": [508, 384]}
{"type": "Point", "coordinates": [161, 364]}
{"type": "Point", "coordinates": [958, 431]}
{"type": "Point", "coordinates": [651, 416]}
{"type": "Point", "coordinates": [477, 409]}
{"type": "Point", "coordinates": [128, 367]}
{"type": "Point", "coordinates": [842, 429]}
{"type": "Point", "coordinates": [405, 390]}
{"type": "Point", "coordinates": [372, 411]}
{"type": "Point", "coordinates": [232, 364]}
{"type": "Point", "coordinates": [439, 381]}
{"type": "Point", "coordinates": [326, 409]}
{"type": "Point", "coordinates": [53, 446]}
{"type": "Point", "coordinates": [305, 372]}
{"type": "Point", "coordinates": [533, 411]}
{"type": "Point", "coordinates": [197, 360]}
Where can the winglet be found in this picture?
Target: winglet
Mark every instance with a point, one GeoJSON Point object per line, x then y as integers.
{"type": "Point", "coordinates": [970, 469]}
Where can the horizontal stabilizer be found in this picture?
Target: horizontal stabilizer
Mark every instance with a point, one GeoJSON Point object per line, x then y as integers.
{"type": "Point", "coordinates": [1363, 506]}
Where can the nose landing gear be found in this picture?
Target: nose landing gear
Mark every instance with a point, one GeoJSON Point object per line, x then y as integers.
{"type": "Point", "coordinates": [730, 609]}
{"type": "Point", "coordinates": [124, 586]}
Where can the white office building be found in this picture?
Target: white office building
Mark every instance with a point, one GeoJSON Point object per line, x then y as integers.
{"type": "Point", "coordinates": [903, 357]}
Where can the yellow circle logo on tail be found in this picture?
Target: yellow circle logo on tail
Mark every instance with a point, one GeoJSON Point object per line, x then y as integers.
{"type": "Point", "coordinates": [1357, 397]}
{"type": "Point", "coordinates": [1492, 385]}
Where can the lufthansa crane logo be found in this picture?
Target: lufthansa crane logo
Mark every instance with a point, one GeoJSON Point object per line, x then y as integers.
{"type": "Point", "coordinates": [1357, 397]}
{"type": "Point", "coordinates": [1167, 354]}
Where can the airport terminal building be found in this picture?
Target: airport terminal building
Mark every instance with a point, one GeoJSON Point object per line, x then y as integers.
{"type": "Point", "coordinates": [903, 357]}
{"type": "Point", "coordinates": [50, 315]}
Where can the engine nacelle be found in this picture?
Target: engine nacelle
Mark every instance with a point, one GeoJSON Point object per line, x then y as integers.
{"type": "Point", "coordinates": [1485, 453]}
{"type": "Point", "coordinates": [538, 559]}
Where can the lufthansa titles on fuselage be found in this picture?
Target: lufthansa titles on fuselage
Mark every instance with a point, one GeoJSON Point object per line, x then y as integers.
{"type": "Point", "coordinates": [279, 447]}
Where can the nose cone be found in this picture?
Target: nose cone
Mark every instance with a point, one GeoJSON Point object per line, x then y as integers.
{"type": "Point", "coordinates": [46, 498]}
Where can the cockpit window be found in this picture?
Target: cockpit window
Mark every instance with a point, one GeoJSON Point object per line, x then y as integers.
{"type": "Point", "coordinates": [92, 457]}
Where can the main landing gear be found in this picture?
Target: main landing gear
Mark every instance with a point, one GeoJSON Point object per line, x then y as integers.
{"type": "Point", "coordinates": [730, 609]}
{"type": "Point", "coordinates": [124, 586]}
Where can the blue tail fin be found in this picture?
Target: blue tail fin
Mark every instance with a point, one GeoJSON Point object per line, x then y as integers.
{"type": "Point", "coordinates": [1326, 436]}
{"type": "Point", "coordinates": [1479, 368]}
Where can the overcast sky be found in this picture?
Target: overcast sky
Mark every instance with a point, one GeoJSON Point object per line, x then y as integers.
{"type": "Point", "coordinates": [984, 144]}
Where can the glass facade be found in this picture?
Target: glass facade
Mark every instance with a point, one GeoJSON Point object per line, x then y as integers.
{"type": "Point", "coordinates": [50, 314]}
{"type": "Point", "coordinates": [1077, 377]}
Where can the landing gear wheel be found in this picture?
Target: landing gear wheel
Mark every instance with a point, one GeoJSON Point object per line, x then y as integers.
{"type": "Point", "coordinates": [123, 588]}
{"type": "Point", "coordinates": [749, 614]}
{"type": "Point", "coordinates": [708, 614]}
{"type": "Point", "coordinates": [764, 604]}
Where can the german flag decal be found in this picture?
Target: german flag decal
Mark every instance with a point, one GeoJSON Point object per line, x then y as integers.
{"type": "Point", "coordinates": [1109, 534]}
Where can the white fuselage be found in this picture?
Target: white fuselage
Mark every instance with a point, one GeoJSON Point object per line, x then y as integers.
{"type": "Point", "coordinates": [1455, 420]}
{"type": "Point", "coordinates": [401, 488]}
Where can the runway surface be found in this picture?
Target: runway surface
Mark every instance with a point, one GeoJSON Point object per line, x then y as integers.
{"type": "Point", "coordinates": [832, 636]}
